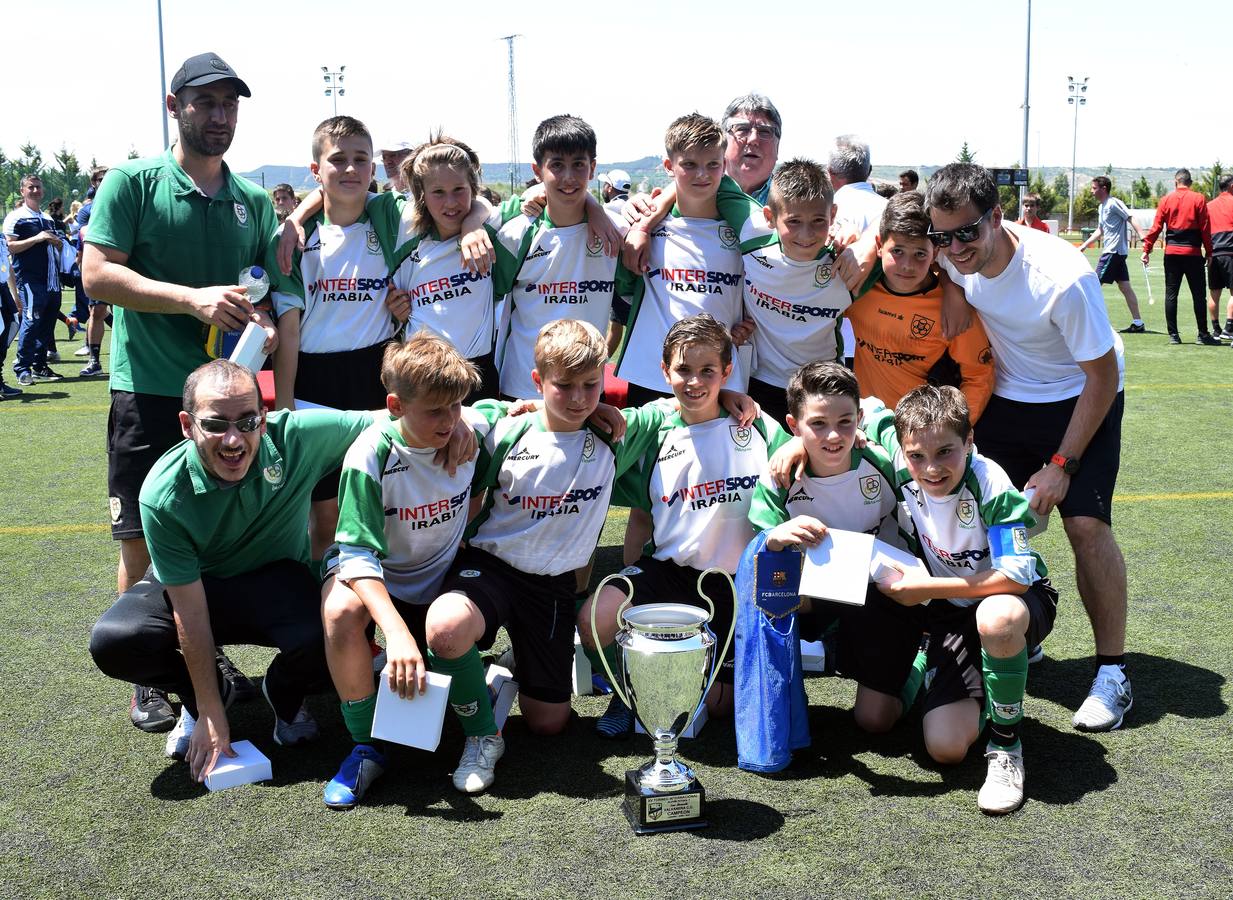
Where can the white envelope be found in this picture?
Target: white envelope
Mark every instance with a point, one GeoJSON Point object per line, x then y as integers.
{"type": "Point", "coordinates": [838, 568]}
{"type": "Point", "coordinates": [502, 689]}
{"type": "Point", "coordinates": [248, 350]}
{"type": "Point", "coordinates": [880, 568]}
{"type": "Point", "coordinates": [248, 766]}
{"type": "Point", "coordinates": [582, 668]}
{"type": "Point", "coordinates": [415, 722]}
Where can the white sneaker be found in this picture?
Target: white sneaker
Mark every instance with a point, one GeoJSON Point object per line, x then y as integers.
{"type": "Point", "coordinates": [1002, 791]}
{"type": "Point", "coordinates": [179, 736]}
{"type": "Point", "coordinates": [475, 772]}
{"type": "Point", "coordinates": [83, 350]}
{"type": "Point", "coordinates": [1106, 705]}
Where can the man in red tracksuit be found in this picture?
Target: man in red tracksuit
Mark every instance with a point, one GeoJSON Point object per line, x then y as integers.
{"type": "Point", "coordinates": [1220, 267]}
{"type": "Point", "coordinates": [1188, 235]}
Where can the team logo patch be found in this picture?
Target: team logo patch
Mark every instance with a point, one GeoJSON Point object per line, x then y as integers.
{"type": "Point", "coordinates": [466, 710]}
{"type": "Point", "coordinates": [114, 503]}
{"type": "Point", "coordinates": [986, 356]}
{"type": "Point", "coordinates": [273, 474]}
{"type": "Point", "coordinates": [631, 570]}
{"type": "Point", "coordinates": [241, 214]}
{"type": "Point", "coordinates": [966, 511]}
{"type": "Point", "coordinates": [1019, 536]}
{"type": "Point", "coordinates": [1008, 710]}
{"type": "Point", "coordinates": [595, 247]}
{"type": "Point", "coordinates": [921, 326]}
{"type": "Point", "coordinates": [469, 573]}
{"type": "Point", "coordinates": [871, 487]}
{"type": "Point", "coordinates": [374, 245]}
{"type": "Point", "coordinates": [822, 275]}
{"type": "Point", "coordinates": [741, 434]}
{"type": "Point", "coordinates": [727, 235]}
{"type": "Point", "coordinates": [654, 809]}
{"type": "Point", "coordinates": [588, 446]}
{"type": "Point", "coordinates": [779, 578]}
{"type": "Point", "coordinates": [217, 63]}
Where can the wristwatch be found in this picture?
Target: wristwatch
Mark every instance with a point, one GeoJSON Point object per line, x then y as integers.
{"type": "Point", "coordinates": [1068, 464]}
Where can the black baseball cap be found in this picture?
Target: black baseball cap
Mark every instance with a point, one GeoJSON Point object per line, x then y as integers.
{"type": "Point", "coordinates": [206, 68]}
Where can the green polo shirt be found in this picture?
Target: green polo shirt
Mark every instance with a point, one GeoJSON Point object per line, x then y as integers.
{"type": "Point", "coordinates": [151, 210]}
{"type": "Point", "coordinates": [195, 526]}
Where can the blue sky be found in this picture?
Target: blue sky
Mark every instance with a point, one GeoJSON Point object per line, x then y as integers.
{"type": "Point", "coordinates": [914, 79]}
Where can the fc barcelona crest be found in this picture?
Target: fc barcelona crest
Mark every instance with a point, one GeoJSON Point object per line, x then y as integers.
{"type": "Point", "coordinates": [871, 487]}
{"type": "Point", "coordinates": [779, 578]}
{"type": "Point", "coordinates": [741, 435]}
{"type": "Point", "coordinates": [966, 511]}
{"type": "Point", "coordinates": [921, 326]}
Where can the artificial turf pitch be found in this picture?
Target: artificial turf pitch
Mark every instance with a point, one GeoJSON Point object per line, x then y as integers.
{"type": "Point", "coordinates": [89, 806]}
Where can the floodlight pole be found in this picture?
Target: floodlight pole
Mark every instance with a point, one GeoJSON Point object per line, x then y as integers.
{"type": "Point", "coordinates": [162, 77]}
{"type": "Point", "coordinates": [1027, 80]}
{"type": "Point", "coordinates": [1076, 96]}
{"type": "Point", "coordinates": [333, 84]}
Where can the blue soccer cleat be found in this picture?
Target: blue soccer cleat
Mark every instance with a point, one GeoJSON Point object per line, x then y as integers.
{"type": "Point", "coordinates": [364, 765]}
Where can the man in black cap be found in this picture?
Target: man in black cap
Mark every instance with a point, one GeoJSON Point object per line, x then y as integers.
{"type": "Point", "coordinates": [168, 237]}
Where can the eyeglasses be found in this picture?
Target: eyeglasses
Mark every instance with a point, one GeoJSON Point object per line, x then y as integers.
{"type": "Point", "coordinates": [210, 425]}
{"type": "Point", "coordinates": [742, 131]}
{"type": "Point", "coordinates": [965, 234]}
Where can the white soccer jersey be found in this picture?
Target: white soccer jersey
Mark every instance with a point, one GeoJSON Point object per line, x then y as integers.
{"type": "Point", "coordinates": [699, 486]}
{"type": "Point", "coordinates": [549, 491]}
{"type": "Point", "coordinates": [446, 298]}
{"type": "Point", "coordinates": [1043, 312]}
{"type": "Point", "coordinates": [339, 282]}
{"type": "Point", "coordinates": [795, 307]}
{"type": "Point", "coordinates": [1113, 220]}
{"type": "Point", "coordinates": [695, 267]}
{"type": "Point", "coordinates": [864, 498]}
{"type": "Point", "coordinates": [401, 517]}
{"type": "Point", "coordinates": [560, 275]}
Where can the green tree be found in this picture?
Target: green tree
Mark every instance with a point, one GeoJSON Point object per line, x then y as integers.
{"type": "Point", "coordinates": [1209, 183]}
{"type": "Point", "coordinates": [1061, 186]}
{"type": "Point", "coordinates": [966, 155]}
{"type": "Point", "coordinates": [1141, 193]}
{"type": "Point", "coordinates": [132, 152]}
{"type": "Point", "coordinates": [1161, 190]}
{"type": "Point", "coordinates": [1048, 197]}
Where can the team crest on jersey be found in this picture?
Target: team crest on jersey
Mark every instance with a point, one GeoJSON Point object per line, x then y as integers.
{"type": "Point", "coordinates": [631, 570]}
{"type": "Point", "coordinates": [986, 356]}
{"type": "Point", "coordinates": [966, 511]}
{"type": "Point", "coordinates": [871, 487]}
{"type": "Point", "coordinates": [273, 474]}
{"type": "Point", "coordinates": [241, 214]}
{"type": "Point", "coordinates": [741, 434]}
{"type": "Point", "coordinates": [1008, 710]}
{"type": "Point", "coordinates": [727, 235]}
{"type": "Point", "coordinates": [469, 573]}
{"type": "Point", "coordinates": [822, 275]}
{"type": "Point", "coordinates": [595, 247]}
{"type": "Point", "coordinates": [588, 446]}
{"type": "Point", "coordinates": [1019, 537]}
{"type": "Point", "coordinates": [374, 245]}
{"type": "Point", "coordinates": [921, 326]}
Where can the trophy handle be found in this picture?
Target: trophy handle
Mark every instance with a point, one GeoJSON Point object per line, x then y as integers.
{"type": "Point", "coordinates": [731, 631]}
{"type": "Point", "coordinates": [629, 598]}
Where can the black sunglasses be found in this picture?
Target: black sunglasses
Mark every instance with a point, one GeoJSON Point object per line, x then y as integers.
{"type": "Point", "coordinates": [965, 234]}
{"type": "Point", "coordinates": [209, 425]}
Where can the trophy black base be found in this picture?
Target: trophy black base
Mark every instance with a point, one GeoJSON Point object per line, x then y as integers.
{"type": "Point", "coordinates": [650, 812]}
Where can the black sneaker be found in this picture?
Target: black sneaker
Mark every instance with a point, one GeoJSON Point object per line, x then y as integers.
{"type": "Point", "coordinates": [1226, 335]}
{"type": "Point", "coordinates": [1207, 340]}
{"type": "Point", "coordinates": [150, 710]}
{"type": "Point", "coordinates": [46, 374]}
{"type": "Point", "coordinates": [1175, 339]}
{"type": "Point", "coordinates": [1132, 328]}
{"type": "Point", "coordinates": [242, 686]}
{"type": "Point", "coordinates": [8, 392]}
{"type": "Point", "coordinates": [91, 368]}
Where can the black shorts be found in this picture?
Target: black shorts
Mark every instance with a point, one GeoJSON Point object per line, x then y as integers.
{"type": "Point", "coordinates": [1111, 267]}
{"type": "Point", "coordinates": [140, 429]}
{"type": "Point", "coordinates": [538, 611]}
{"type": "Point", "coordinates": [663, 581]}
{"type": "Point", "coordinates": [640, 396]}
{"type": "Point", "coordinates": [875, 644]}
{"type": "Point", "coordinates": [349, 379]}
{"type": "Point", "coordinates": [1022, 437]}
{"type": "Point", "coordinates": [953, 666]}
{"type": "Point", "coordinates": [1220, 273]}
{"type": "Point", "coordinates": [773, 400]}
{"type": "Point", "coordinates": [490, 380]}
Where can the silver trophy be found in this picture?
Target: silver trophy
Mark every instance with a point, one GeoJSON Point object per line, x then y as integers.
{"type": "Point", "coordinates": [670, 662]}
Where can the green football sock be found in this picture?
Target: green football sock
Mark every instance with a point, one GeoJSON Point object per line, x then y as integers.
{"type": "Point", "coordinates": [916, 677]}
{"type": "Point", "coordinates": [357, 716]}
{"type": "Point", "coordinates": [1005, 685]}
{"type": "Point", "coordinates": [468, 691]}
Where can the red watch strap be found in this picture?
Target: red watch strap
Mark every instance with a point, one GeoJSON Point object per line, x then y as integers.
{"type": "Point", "coordinates": [1059, 460]}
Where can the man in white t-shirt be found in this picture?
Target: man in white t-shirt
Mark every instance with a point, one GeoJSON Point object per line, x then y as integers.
{"type": "Point", "coordinates": [1054, 421]}
{"type": "Point", "coordinates": [1113, 222]}
{"type": "Point", "coordinates": [858, 206]}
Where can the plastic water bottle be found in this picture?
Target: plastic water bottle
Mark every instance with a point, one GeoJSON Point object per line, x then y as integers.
{"type": "Point", "coordinates": [257, 281]}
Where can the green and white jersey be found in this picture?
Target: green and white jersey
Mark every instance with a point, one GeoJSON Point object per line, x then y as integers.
{"type": "Point", "coordinates": [982, 525]}
{"type": "Point", "coordinates": [560, 275]}
{"type": "Point", "coordinates": [796, 307]}
{"type": "Point", "coordinates": [401, 516]}
{"type": "Point", "coordinates": [549, 491]}
{"type": "Point", "coordinates": [864, 498]}
{"type": "Point", "coordinates": [339, 282]}
{"type": "Point", "coordinates": [695, 267]}
{"type": "Point", "coordinates": [698, 483]}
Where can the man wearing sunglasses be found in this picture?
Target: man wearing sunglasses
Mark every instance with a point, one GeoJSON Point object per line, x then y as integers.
{"type": "Point", "coordinates": [1054, 420]}
{"type": "Point", "coordinates": [225, 514]}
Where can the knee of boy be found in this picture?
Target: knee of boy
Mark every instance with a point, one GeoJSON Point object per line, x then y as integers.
{"type": "Point", "coordinates": [342, 610]}
{"type": "Point", "coordinates": [447, 626]}
{"type": "Point", "coordinates": [1001, 617]}
{"type": "Point", "coordinates": [876, 720]}
{"type": "Point", "coordinates": [550, 724]}
{"type": "Point", "coordinates": [949, 750]}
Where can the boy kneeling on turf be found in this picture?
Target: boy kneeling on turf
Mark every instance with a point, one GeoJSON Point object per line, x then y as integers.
{"type": "Point", "coordinates": [990, 589]}
{"type": "Point", "coordinates": [401, 519]}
